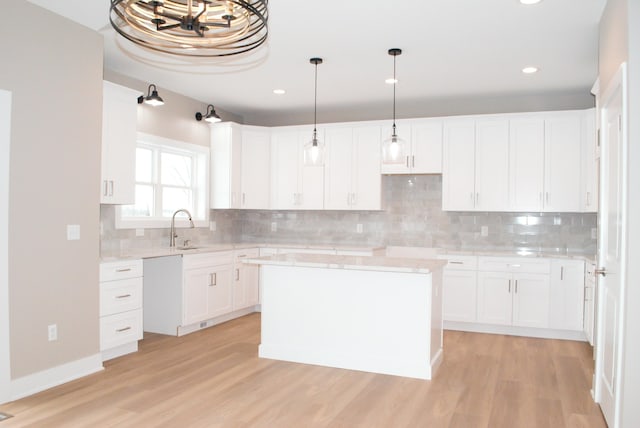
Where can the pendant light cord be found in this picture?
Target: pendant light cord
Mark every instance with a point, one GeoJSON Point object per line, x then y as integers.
{"type": "Point", "coordinates": [315, 102]}
{"type": "Point", "coordinates": [394, 94]}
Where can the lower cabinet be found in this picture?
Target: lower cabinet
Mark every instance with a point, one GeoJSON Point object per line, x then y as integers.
{"type": "Point", "coordinates": [120, 307]}
{"type": "Point", "coordinates": [459, 284]}
{"type": "Point", "coordinates": [567, 294]}
{"type": "Point", "coordinates": [246, 280]}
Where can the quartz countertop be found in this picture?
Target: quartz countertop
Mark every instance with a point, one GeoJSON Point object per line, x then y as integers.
{"type": "Point", "coordinates": [329, 261]}
{"type": "Point", "coordinates": [506, 253]}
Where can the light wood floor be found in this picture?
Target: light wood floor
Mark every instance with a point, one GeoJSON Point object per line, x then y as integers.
{"type": "Point", "coordinates": [213, 378]}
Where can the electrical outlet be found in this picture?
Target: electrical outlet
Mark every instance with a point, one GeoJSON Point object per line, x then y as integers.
{"type": "Point", "coordinates": [212, 226]}
{"type": "Point", "coordinates": [139, 232]}
{"type": "Point", "coordinates": [203, 324]}
{"type": "Point", "coordinates": [274, 227]}
{"type": "Point", "coordinates": [484, 231]}
{"type": "Point", "coordinates": [359, 228]}
{"type": "Point", "coordinates": [73, 232]}
{"type": "Point", "coordinates": [52, 332]}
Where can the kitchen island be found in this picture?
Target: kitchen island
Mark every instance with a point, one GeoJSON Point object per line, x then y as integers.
{"type": "Point", "coordinates": [375, 314]}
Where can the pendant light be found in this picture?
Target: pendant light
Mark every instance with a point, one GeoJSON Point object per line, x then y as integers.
{"type": "Point", "coordinates": [314, 150]}
{"type": "Point", "coordinates": [393, 148]}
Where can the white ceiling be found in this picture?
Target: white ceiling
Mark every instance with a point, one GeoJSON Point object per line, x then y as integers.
{"type": "Point", "coordinates": [452, 49]}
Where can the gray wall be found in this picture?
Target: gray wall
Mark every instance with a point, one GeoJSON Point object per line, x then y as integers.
{"type": "Point", "coordinates": [412, 216]}
{"type": "Point", "coordinates": [54, 69]}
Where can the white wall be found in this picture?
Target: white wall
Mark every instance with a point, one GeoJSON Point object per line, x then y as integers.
{"type": "Point", "coordinates": [5, 136]}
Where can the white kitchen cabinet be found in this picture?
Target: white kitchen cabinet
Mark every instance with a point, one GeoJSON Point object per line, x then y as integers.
{"type": "Point", "coordinates": [120, 307]}
{"type": "Point", "coordinates": [352, 170]}
{"type": "Point", "coordinates": [475, 172]}
{"type": "Point", "coordinates": [567, 294]}
{"type": "Point", "coordinates": [513, 292]}
{"type": "Point", "coordinates": [526, 164]}
{"type": "Point", "coordinates": [423, 138]}
{"type": "Point", "coordinates": [255, 167]}
{"type": "Point", "coordinates": [119, 134]}
{"type": "Point", "coordinates": [459, 288]}
{"type": "Point", "coordinates": [246, 280]}
{"type": "Point", "coordinates": [294, 185]}
{"type": "Point", "coordinates": [563, 162]}
{"type": "Point", "coordinates": [591, 167]}
{"type": "Point", "coordinates": [226, 161]}
{"type": "Point", "coordinates": [207, 286]}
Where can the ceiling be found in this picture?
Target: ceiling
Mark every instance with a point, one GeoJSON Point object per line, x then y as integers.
{"type": "Point", "coordinates": [469, 51]}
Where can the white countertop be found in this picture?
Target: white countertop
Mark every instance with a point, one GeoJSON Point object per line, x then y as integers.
{"type": "Point", "coordinates": [329, 261]}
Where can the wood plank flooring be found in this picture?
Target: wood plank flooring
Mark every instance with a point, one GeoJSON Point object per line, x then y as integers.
{"type": "Point", "coordinates": [213, 378]}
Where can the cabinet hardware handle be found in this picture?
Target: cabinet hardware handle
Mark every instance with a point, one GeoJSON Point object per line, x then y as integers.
{"type": "Point", "coordinates": [516, 286]}
{"type": "Point", "coordinates": [212, 279]}
{"type": "Point", "coordinates": [105, 191]}
{"type": "Point", "coordinates": [453, 262]}
{"type": "Point", "coordinates": [588, 198]}
{"type": "Point", "coordinates": [413, 161]}
{"type": "Point", "coordinates": [601, 271]}
{"type": "Point", "coordinates": [546, 197]}
{"type": "Point", "coordinates": [407, 161]}
{"type": "Point", "coordinates": [110, 187]}
{"type": "Point", "coordinates": [120, 330]}
{"type": "Point", "coordinates": [123, 270]}
{"type": "Point", "coordinates": [237, 274]}
{"type": "Point", "coordinates": [241, 255]}
{"type": "Point", "coordinates": [541, 200]}
{"type": "Point", "coordinates": [477, 198]}
{"type": "Point", "coordinates": [123, 296]}
{"type": "Point", "coordinates": [353, 199]}
{"type": "Point", "coordinates": [509, 286]}
{"type": "Point", "coordinates": [243, 198]}
{"type": "Point", "coordinates": [561, 273]}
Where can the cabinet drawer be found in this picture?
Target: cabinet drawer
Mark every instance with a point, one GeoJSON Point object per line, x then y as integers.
{"type": "Point", "coordinates": [246, 254]}
{"type": "Point", "coordinates": [119, 329]}
{"type": "Point", "coordinates": [194, 261]}
{"type": "Point", "coordinates": [122, 269]}
{"type": "Point", "coordinates": [120, 296]}
{"type": "Point", "coordinates": [514, 264]}
{"type": "Point", "coordinates": [460, 262]}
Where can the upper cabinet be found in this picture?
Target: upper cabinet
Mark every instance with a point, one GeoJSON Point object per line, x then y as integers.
{"type": "Point", "coordinates": [293, 184]}
{"type": "Point", "coordinates": [525, 162]}
{"type": "Point", "coordinates": [475, 165]}
{"type": "Point", "coordinates": [240, 169]}
{"type": "Point", "coordinates": [591, 169]}
{"type": "Point", "coordinates": [423, 138]}
{"type": "Point", "coordinates": [352, 168]}
{"type": "Point", "coordinates": [119, 127]}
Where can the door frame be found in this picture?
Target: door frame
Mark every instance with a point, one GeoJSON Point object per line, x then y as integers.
{"type": "Point", "coordinates": [618, 83]}
{"type": "Point", "coordinates": [5, 140]}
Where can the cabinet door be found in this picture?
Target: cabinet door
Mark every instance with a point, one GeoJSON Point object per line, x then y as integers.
{"type": "Point", "coordinates": [403, 130]}
{"type": "Point", "coordinates": [226, 159]}
{"type": "Point", "coordinates": [338, 168]}
{"type": "Point", "coordinates": [285, 160]}
{"type": "Point", "coordinates": [526, 164]}
{"type": "Point", "coordinates": [459, 295]}
{"type": "Point", "coordinates": [255, 168]}
{"type": "Point", "coordinates": [310, 178]}
{"type": "Point", "coordinates": [492, 165]}
{"type": "Point", "coordinates": [366, 181]}
{"type": "Point", "coordinates": [591, 165]}
{"type": "Point", "coordinates": [219, 291]}
{"type": "Point", "coordinates": [494, 298]}
{"type": "Point", "coordinates": [195, 285]}
{"type": "Point", "coordinates": [562, 163]}
{"type": "Point", "coordinates": [426, 144]}
{"type": "Point", "coordinates": [567, 295]}
{"type": "Point", "coordinates": [119, 134]}
{"type": "Point", "coordinates": [458, 166]}
{"type": "Point", "coordinates": [530, 300]}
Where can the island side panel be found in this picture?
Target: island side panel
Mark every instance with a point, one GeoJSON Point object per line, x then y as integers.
{"type": "Point", "coordinates": [355, 319]}
{"type": "Point", "coordinates": [437, 339]}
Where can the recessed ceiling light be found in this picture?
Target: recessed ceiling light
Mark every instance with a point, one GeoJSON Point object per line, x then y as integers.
{"type": "Point", "coordinates": [530, 70]}
{"type": "Point", "coordinates": [279, 91]}
{"type": "Point", "coordinates": [391, 81]}
{"type": "Point", "coordinates": [528, 2]}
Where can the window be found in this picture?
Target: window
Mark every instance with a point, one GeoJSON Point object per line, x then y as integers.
{"type": "Point", "coordinates": [169, 175]}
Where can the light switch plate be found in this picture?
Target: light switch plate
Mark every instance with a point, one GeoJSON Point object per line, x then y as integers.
{"type": "Point", "coordinates": [73, 232]}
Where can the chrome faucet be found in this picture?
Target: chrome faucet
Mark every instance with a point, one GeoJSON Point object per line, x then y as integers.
{"type": "Point", "coordinates": [174, 235]}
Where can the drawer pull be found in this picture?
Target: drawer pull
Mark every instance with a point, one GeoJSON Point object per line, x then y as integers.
{"type": "Point", "coordinates": [241, 255]}
{"type": "Point", "coordinates": [123, 270]}
{"type": "Point", "coordinates": [515, 266]}
{"type": "Point", "coordinates": [123, 296]}
{"type": "Point", "coordinates": [120, 330]}
{"type": "Point", "coordinates": [455, 263]}
{"type": "Point", "coordinates": [516, 286]}
{"type": "Point", "coordinates": [509, 286]}
{"type": "Point", "coordinates": [237, 274]}
{"type": "Point", "coordinates": [212, 279]}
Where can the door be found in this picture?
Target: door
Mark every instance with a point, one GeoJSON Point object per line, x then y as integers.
{"type": "Point", "coordinates": [338, 164]}
{"type": "Point", "coordinates": [526, 172]}
{"type": "Point", "coordinates": [219, 291]}
{"type": "Point", "coordinates": [530, 300]}
{"type": "Point", "coordinates": [194, 296]}
{"type": "Point", "coordinates": [366, 179]}
{"type": "Point", "coordinates": [494, 298]}
{"type": "Point", "coordinates": [5, 137]}
{"type": "Point", "coordinates": [459, 295]}
{"type": "Point", "coordinates": [458, 166]}
{"type": "Point", "coordinates": [611, 245]}
{"type": "Point", "coordinates": [255, 168]}
{"type": "Point", "coordinates": [492, 165]}
{"type": "Point", "coordinates": [285, 160]}
{"type": "Point", "coordinates": [426, 142]}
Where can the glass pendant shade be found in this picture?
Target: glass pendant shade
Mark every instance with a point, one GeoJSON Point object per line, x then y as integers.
{"type": "Point", "coordinates": [394, 149]}
{"type": "Point", "coordinates": [314, 152]}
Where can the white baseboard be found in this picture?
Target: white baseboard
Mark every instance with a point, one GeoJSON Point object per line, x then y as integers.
{"type": "Point", "coordinates": [119, 351]}
{"type": "Point", "coordinates": [37, 382]}
{"type": "Point", "coordinates": [543, 333]}
{"type": "Point", "coordinates": [186, 329]}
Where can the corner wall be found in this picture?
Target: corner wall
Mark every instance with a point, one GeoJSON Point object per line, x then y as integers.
{"type": "Point", "coordinates": [54, 70]}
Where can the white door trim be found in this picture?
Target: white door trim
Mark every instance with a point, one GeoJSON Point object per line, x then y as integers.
{"type": "Point", "coordinates": [5, 137]}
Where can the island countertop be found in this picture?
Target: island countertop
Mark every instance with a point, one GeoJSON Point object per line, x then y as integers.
{"type": "Point", "coordinates": [371, 263]}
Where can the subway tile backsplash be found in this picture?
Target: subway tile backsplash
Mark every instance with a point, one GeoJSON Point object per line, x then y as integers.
{"type": "Point", "coordinates": [411, 216]}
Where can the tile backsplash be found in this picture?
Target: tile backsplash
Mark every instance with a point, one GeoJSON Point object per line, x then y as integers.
{"type": "Point", "coordinates": [412, 216]}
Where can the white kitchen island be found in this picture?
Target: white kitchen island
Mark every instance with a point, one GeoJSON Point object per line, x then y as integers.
{"type": "Point", "coordinates": [375, 314]}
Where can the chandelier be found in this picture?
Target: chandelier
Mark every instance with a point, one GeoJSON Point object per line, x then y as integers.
{"type": "Point", "coordinates": [195, 28]}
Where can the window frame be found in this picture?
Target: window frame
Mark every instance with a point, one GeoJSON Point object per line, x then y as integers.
{"type": "Point", "coordinates": [200, 184]}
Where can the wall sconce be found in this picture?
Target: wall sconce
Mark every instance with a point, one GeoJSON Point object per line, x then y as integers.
{"type": "Point", "coordinates": [211, 116]}
{"type": "Point", "coordinates": [152, 97]}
